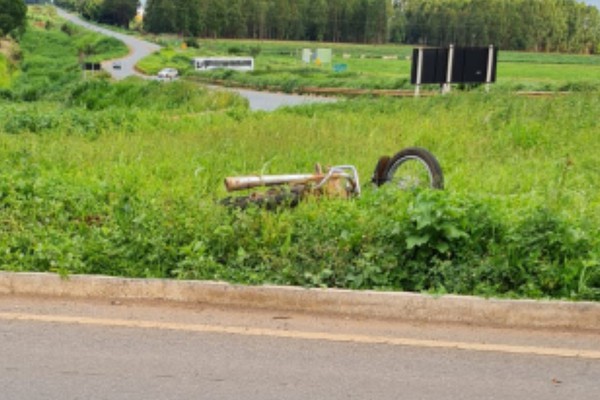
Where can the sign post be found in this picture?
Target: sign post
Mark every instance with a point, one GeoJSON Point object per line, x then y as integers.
{"type": "Point", "coordinates": [419, 72]}
{"type": "Point", "coordinates": [488, 76]}
{"type": "Point", "coordinates": [446, 86]}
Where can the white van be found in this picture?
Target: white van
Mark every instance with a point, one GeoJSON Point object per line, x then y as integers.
{"type": "Point", "coordinates": [234, 63]}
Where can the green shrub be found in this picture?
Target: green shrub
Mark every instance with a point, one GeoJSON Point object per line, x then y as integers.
{"type": "Point", "coordinates": [192, 42]}
{"type": "Point", "coordinates": [69, 28]}
{"type": "Point", "coordinates": [235, 50]}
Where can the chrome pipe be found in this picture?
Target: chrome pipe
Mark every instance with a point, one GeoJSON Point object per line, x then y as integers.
{"type": "Point", "coordinates": [248, 182]}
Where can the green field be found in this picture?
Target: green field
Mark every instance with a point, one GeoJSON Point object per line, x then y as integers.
{"type": "Point", "coordinates": [279, 66]}
{"type": "Point", "coordinates": [125, 179]}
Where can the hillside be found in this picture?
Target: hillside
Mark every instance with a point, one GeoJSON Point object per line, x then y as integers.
{"type": "Point", "coordinates": [6, 53]}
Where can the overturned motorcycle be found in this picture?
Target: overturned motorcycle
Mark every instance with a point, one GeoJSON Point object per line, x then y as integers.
{"type": "Point", "coordinates": [410, 168]}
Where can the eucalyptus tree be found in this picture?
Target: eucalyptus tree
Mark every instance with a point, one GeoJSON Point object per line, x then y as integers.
{"type": "Point", "coordinates": [255, 12]}
{"type": "Point", "coordinates": [397, 25]}
{"type": "Point", "coordinates": [281, 19]}
{"type": "Point", "coordinates": [235, 19]}
{"type": "Point", "coordinates": [118, 12]}
{"type": "Point", "coordinates": [544, 25]}
{"type": "Point", "coordinates": [316, 19]}
{"type": "Point", "coordinates": [297, 27]}
{"type": "Point", "coordinates": [541, 25]}
{"type": "Point", "coordinates": [160, 16]}
{"type": "Point", "coordinates": [335, 19]}
{"type": "Point", "coordinates": [375, 17]}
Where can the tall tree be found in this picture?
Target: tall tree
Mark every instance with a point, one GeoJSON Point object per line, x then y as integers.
{"type": "Point", "coordinates": [397, 27]}
{"type": "Point", "coordinates": [159, 16]}
{"type": "Point", "coordinates": [195, 17]}
{"type": "Point", "coordinates": [336, 8]}
{"type": "Point", "coordinates": [185, 17]}
{"type": "Point", "coordinates": [216, 17]}
{"type": "Point", "coordinates": [376, 20]}
{"type": "Point", "coordinates": [118, 12]}
{"type": "Point", "coordinates": [297, 27]}
{"type": "Point", "coordinates": [12, 15]}
{"type": "Point", "coordinates": [279, 15]}
{"type": "Point", "coordinates": [235, 20]}
{"type": "Point", "coordinates": [316, 19]}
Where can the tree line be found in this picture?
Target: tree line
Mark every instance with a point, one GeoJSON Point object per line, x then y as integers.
{"type": "Point", "coordinates": [538, 25]}
{"type": "Point", "coordinates": [320, 20]}
{"type": "Point", "coordinates": [112, 12]}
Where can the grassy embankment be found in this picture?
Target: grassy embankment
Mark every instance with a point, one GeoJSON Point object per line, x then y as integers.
{"type": "Point", "coordinates": [8, 58]}
{"type": "Point", "coordinates": [124, 179]}
{"type": "Point", "coordinates": [5, 75]}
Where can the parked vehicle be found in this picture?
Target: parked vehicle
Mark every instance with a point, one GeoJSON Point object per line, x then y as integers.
{"type": "Point", "coordinates": [117, 65]}
{"type": "Point", "coordinates": [168, 73]}
{"type": "Point", "coordinates": [233, 63]}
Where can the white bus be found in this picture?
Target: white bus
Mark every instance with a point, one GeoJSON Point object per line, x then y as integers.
{"type": "Point", "coordinates": [234, 63]}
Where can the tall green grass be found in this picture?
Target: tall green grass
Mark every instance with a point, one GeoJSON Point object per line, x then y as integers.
{"type": "Point", "coordinates": [519, 216]}
{"type": "Point", "coordinates": [126, 178]}
{"type": "Point", "coordinates": [4, 72]}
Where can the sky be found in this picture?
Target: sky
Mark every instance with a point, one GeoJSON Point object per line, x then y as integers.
{"type": "Point", "coordinates": [593, 2]}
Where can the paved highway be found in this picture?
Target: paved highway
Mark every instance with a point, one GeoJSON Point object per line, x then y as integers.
{"type": "Point", "coordinates": [58, 349]}
{"type": "Point", "coordinates": [139, 49]}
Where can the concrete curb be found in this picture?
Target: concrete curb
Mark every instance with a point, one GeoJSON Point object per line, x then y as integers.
{"type": "Point", "coordinates": [357, 304]}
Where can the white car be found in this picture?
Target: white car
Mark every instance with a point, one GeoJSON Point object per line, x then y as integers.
{"type": "Point", "coordinates": [168, 73]}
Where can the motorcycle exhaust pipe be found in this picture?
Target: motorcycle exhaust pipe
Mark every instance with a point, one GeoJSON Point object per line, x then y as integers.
{"type": "Point", "coordinates": [249, 182]}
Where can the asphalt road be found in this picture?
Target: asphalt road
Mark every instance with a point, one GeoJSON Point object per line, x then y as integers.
{"type": "Point", "coordinates": [138, 48]}
{"type": "Point", "coordinates": [57, 349]}
{"type": "Point", "coordinates": [258, 101]}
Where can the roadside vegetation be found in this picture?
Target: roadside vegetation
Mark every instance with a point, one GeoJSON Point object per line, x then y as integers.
{"type": "Point", "coordinates": [50, 54]}
{"type": "Point", "coordinates": [125, 179]}
{"type": "Point", "coordinates": [6, 71]}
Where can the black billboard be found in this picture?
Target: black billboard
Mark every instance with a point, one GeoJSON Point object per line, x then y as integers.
{"type": "Point", "coordinates": [434, 66]}
{"type": "Point", "coordinates": [469, 65]}
{"type": "Point", "coordinates": [90, 66]}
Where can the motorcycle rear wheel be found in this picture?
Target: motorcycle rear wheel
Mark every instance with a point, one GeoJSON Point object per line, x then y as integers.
{"type": "Point", "coordinates": [412, 168]}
